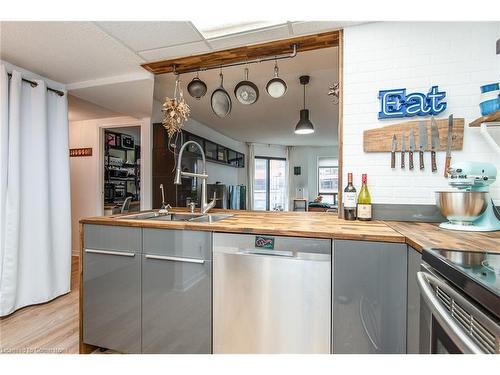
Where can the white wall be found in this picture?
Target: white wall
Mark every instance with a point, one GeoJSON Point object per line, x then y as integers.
{"type": "Point", "coordinates": [459, 57]}
{"type": "Point", "coordinates": [86, 172]}
{"type": "Point", "coordinates": [270, 151]}
{"type": "Point", "coordinates": [306, 157]}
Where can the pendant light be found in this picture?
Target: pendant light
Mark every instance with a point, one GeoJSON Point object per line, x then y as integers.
{"type": "Point", "coordinates": [304, 126]}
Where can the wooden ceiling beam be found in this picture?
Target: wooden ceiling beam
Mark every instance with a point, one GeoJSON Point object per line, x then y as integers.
{"type": "Point", "coordinates": [241, 54]}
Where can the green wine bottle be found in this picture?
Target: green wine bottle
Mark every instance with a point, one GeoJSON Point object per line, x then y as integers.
{"type": "Point", "coordinates": [364, 209]}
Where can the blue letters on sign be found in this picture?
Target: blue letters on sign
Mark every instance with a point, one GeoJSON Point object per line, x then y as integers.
{"type": "Point", "coordinates": [396, 103]}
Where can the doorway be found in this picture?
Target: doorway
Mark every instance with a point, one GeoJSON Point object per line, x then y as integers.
{"type": "Point", "coordinates": [121, 169]}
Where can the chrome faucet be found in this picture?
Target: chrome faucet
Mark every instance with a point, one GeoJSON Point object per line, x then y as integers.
{"type": "Point", "coordinates": [205, 207]}
{"type": "Point", "coordinates": [164, 207]}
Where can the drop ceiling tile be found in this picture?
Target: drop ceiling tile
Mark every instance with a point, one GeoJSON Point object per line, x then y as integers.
{"type": "Point", "coordinates": [66, 52]}
{"type": "Point", "coordinates": [133, 98]}
{"type": "Point", "coordinates": [175, 51]}
{"type": "Point", "coordinates": [263, 35]}
{"type": "Point", "coordinates": [141, 36]}
{"type": "Point", "coordinates": [311, 27]}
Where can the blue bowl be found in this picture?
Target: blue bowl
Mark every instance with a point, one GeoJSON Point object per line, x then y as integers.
{"type": "Point", "coordinates": [489, 106]}
{"type": "Point", "coordinates": [490, 87]}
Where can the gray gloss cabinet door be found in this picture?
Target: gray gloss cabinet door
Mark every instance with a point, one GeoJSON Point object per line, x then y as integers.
{"type": "Point", "coordinates": [181, 243]}
{"type": "Point", "coordinates": [111, 288]}
{"type": "Point", "coordinates": [176, 292]}
{"type": "Point", "coordinates": [369, 297]}
{"type": "Point", "coordinates": [413, 321]}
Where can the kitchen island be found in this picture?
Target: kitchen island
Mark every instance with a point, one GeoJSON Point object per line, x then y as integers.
{"type": "Point", "coordinates": [148, 283]}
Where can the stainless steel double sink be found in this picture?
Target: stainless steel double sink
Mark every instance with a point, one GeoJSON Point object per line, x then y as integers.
{"type": "Point", "coordinates": [178, 216]}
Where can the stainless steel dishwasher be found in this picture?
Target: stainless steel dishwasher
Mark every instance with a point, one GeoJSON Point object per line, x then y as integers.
{"type": "Point", "coordinates": [271, 294]}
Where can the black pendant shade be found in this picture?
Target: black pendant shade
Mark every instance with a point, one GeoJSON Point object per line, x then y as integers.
{"type": "Point", "coordinates": [304, 126]}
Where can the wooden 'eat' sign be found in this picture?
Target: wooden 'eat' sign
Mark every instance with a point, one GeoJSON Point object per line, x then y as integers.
{"type": "Point", "coordinates": [76, 152]}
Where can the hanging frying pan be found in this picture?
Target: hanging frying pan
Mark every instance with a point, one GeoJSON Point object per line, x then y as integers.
{"type": "Point", "coordinates": [246, 92]}
{"type": "Point", "coordinates": [276, 87]}
{"type": "Point", "coordinates": [197, 88]}
{"type": "Point", "coordinates": [220, 100]}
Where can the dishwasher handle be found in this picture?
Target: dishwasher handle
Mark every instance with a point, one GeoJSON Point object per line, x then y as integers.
{"type": "Point", "coordinates": [274, 253]}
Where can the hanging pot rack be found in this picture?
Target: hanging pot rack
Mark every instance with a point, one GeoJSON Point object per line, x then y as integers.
{"type": "Point", "coordinates": [290, 55]}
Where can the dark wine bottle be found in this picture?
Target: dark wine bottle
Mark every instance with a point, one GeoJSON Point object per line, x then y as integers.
{"type": "Point", "coordinates": [349, 199]}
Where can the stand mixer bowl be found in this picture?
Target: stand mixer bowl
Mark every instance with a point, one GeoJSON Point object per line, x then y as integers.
{"type": "Point", "coordinates": [462, 207]}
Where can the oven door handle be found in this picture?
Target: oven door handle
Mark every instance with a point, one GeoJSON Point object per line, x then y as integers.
{"type": "Point", "coordinates": [443, 316]}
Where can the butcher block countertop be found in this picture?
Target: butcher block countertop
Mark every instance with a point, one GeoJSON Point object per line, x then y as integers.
{"type": "Point", "coordinates": [325, 225]}
{"type": "Point", "coordinates": [299, 224]}
{"type": "Point", "coordinates": [426, 235]}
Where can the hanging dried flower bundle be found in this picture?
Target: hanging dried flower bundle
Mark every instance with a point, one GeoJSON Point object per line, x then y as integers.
{"type": "Point", "coordinates": [175, 111]}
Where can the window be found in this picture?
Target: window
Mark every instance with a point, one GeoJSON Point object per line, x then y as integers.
{"type": "Point", "coordinates": [270, 184]}
{"type": "Point", "coordinates": [328, 180]}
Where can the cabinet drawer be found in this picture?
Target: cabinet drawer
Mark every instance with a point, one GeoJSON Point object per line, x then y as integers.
{"type": "Point", "coordinates": [180, 243]}
{"type": "Point", "coordinates": [106, 237]}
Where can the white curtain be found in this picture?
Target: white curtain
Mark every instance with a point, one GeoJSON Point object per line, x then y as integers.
{"type": "Point", "coordinates": [290, 186]}
{"type": "Point", "coordinates": [35, 217]}
{"type": "Point", "coordinates": [250, 174]}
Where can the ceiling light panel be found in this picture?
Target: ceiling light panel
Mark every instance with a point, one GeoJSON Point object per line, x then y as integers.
{"type": "Point", "coordinates": [210, 29]}
{"type": "Point", "coordinates": [311, 27]}
{"type": "Point", "coordinates": [251, 37]}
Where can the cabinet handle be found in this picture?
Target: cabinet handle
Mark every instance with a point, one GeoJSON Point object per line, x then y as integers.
{"type": "Point", "coordinates": [175, 259]}
{"type": "Point", "coordinates": [361, 315]}
{"type": "Point", "coordinates": [107, 252]}
{"type": "Point", "coordinates": [275, 253]}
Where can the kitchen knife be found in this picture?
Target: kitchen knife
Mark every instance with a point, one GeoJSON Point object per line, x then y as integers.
{"type": "Point", "coordinates": [434, 143]}
{"type": "Point", "coordinates": [412, 149]}
{"type": "Point", "coordinates": [393, 151]}
{"type": "Point", "coordinates": [422, 142]}
{"type": "Point", "coordinates": [403, 150]}
{"type": "Point", "coordinates": [449, 143]}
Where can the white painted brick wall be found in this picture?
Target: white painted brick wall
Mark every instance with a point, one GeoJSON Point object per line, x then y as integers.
{"type": "Point", "coordinates": [458, 57]}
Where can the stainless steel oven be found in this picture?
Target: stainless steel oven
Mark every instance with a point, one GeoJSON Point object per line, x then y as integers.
{"type": "Point", "coordinates": [457, 313]}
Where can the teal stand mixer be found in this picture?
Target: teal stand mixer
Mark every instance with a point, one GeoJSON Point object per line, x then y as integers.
{"type": "Point", "coordinates": [468, 206]}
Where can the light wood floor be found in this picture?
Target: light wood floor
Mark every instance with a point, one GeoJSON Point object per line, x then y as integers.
{"type": "Point", "coordinates": [51, 327]}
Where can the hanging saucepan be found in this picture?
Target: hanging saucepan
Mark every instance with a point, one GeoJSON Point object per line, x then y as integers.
{"type": "Point", "coordinates": [246, 92]}
{"type": "Point", "coordinates": [197, 88]}
{"type": "Point", "coordinates": [220, 101]}
{"type": "Point", "coordinates": [276, 87]}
